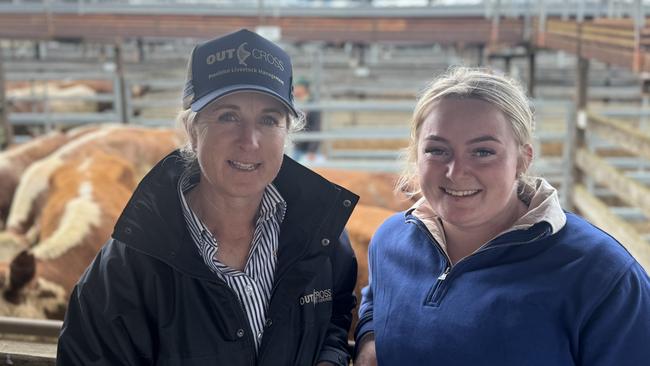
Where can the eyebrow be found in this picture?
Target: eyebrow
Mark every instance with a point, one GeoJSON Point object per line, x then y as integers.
{"type": "Point", "coordinates": [484, 138]}
{"type": "Point", "coordinates": [236, 107]}
{"type": "Point", "coordinates": [472, 141]}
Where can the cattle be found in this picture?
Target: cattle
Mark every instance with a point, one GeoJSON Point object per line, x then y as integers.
{"type": "Point", "coordinates": [15, 160]}
{"type": "Point", "coordinates": [86, 195]}
{"type": "Point", "coordinates": [75, 98]}
{"type": "Point", "coordinates": [141, 146]}
{"type": "Point", "coordinates": [374, 188]}
{"type": "Point", "coordinates": [82, 189]}
{"type": "Point", "coordinates": [24, 96]}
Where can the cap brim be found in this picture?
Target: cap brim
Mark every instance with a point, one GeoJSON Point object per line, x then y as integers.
{"type": "Point", "coordinates": [219, 93]}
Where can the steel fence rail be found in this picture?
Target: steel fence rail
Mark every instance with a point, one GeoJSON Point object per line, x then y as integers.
{"type": "Point", "coordinates": [31, 327]}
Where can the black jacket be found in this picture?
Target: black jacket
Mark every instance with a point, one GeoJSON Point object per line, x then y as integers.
{"type": "Point", "coordinates": [149, 299]}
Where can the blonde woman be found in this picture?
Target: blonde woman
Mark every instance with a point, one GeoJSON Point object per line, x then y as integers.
{"type": "Point", "coordinates": [487, 269]}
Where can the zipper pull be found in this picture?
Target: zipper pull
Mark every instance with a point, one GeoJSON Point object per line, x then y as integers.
{"type": "Point", "coordinates": [444, 274]}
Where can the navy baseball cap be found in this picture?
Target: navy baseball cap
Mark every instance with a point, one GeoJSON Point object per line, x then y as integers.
{"type": "Point", "coordinates": [240, 61]}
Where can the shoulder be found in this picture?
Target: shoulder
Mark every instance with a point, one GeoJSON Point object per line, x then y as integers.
{"type": "Point", "coordinates": [393, 225]}
{"type": "Point", "coordinates": [392, 230]}
{"type": "Point", "coordinates": [592, 254]}
{"type": "Point", "coordinates": [594, 243]}
{"type": "Point", "coordinates": [118, 268]}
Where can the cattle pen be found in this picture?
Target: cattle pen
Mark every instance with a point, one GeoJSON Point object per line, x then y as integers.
{"type": "Point", "coordinates": [585, 65]}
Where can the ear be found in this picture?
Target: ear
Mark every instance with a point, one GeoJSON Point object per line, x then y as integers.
{"type": "Point", "coordinates": [525, 158]}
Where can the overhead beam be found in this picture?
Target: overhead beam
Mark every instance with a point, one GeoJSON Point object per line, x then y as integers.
{"type": "Point", "coordinates": [99, 26]}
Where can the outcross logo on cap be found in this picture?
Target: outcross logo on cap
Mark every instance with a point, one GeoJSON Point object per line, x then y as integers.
{"type": "Point", "coordinates": [242, 54]}
{"type": "Point", "coordinates": [238, 61]}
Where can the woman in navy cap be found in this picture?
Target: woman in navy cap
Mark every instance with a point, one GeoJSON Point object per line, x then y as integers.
{"type": "Point", "coordinates": [228, 253]}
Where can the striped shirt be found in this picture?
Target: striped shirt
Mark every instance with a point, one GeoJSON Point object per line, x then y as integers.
{"type": "Point", "coordinates": [253, 285]}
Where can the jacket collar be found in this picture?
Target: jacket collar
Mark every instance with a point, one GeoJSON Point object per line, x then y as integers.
{"type": "Point", "coordinates": [152, 221]}
{"type": "Point", "coordinates": [543, 207]}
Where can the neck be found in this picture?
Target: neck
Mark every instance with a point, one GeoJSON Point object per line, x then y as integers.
{"type": "Point", "coordinates": [463, 241]}
{"type": "Point", "coordinates": [227, 219]}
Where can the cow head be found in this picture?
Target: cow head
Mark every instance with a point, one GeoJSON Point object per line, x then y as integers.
{"type": "Point", "coordinates": [24, 294]}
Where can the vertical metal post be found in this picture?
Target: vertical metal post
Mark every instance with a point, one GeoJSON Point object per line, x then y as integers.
{"type": "Point", "coordinates": [580, 14]}
{"type": "Point", "coordinates": [568, 157]}
{"type": "Point", "coordinates": [643, 118]}
{"type": "Point", "coordinates": [261, 17]}
{"type": "Point", "coordinates": [581, 95]}
{"type": "Point", "coordinates": [140, 45]}
{"type": "Point", "coordinates": [496, 19]}
{"type": "Point", "coordinates": [531, 70]}
{"type": "Point", "coordinates": [480, 55]}
{"type": "Point", "coordinates": [578, 129]}
{"type": "Point", "coordinates": [316, 72]}
{"type": "Point", "coordinates": [7, 131]}
{"type": "Point", "coordinates": [541, 26]}
{"type": "Point", "coordinates": [528, 23]}
{"type": "Point", "coordinates": [121, 87]}
{"type": "Point", "coordinates": [639, 22]}
{"type": "Point", "coordinates": [507, 64]}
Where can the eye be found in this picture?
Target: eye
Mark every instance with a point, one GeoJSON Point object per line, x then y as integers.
{"type": "Point", "coordinates": [227, 117]}
{"type": "Point", "coordinates": [270, 121]}
{"type": "Point", "coordinates": [482, 153]}
{"type": "Point", "coordinates": [435, 151]}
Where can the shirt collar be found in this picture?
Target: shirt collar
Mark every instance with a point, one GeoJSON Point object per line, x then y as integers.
{"type": "Point", "coordinates": [272, 204]}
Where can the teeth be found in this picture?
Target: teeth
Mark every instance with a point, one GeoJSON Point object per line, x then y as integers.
{"type": "Point", "coordinates": [243, 166]}
{"type": "Point", "coordinates": [460, 193]}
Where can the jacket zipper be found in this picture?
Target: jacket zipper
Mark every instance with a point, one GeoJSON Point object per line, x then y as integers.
{"type": "Point", "coordinates": [436, 293]}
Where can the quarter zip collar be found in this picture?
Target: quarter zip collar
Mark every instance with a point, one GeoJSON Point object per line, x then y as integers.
{"type": "Point", "coordinates": [540, 197]}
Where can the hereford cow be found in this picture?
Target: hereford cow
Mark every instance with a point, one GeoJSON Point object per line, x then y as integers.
{"type": "Point", "coordinates": [75, 98]}
{"type": "Point", "coordinates": [140, 146]}
{"type": "Point", "coordinates": [87, 194]}
{"type": "Point", "coordinates": [15, 160]}
{"type": "Point", "coordinates": [374, 188]}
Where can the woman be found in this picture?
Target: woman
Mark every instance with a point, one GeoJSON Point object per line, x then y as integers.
{"type": "Point", "coordinates": [228, 253]}
{"type": "Point", "coordinates": [486, 268]}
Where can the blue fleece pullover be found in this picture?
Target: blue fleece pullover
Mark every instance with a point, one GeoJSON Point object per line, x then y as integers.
{"type": "Point", "coordinates": [528, 298]}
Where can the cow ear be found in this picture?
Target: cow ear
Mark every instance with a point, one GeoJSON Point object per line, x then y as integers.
{"type": "Point", "coordinates": [21, 270]}
{"type": "Point", "coordinates": [3, 276]}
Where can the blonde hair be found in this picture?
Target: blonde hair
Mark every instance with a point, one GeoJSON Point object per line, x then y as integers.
{"type": "Point", "coordinates": [466, 82]}
{"type": "Point", "coordinates": [186, 120]}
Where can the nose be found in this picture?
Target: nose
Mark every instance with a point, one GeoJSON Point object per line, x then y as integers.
{"type": "Point", "coordinates": [456, 168]}
{"type": "Point", "coordinates": [249, 137]}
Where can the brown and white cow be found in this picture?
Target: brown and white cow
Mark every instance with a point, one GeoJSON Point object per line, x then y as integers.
{"type": "Point", "coordinates": [86, 195]}
{"type": "Point", "coordinates": [73, 98]}
{"type": "Point", "coordinates": [15, 160]}
{"type": "Point", "coordinates": [140, 146]}
{"type": "Point", "coordinates": [373, 188]}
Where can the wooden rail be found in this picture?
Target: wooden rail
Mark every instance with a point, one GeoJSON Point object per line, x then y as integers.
{"type": "Point", "coordinates": [601, 215]}
{"type": "Point", "coordinates": [614, 41]}
{"type": "Point", "coordinates": [589, 165]}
